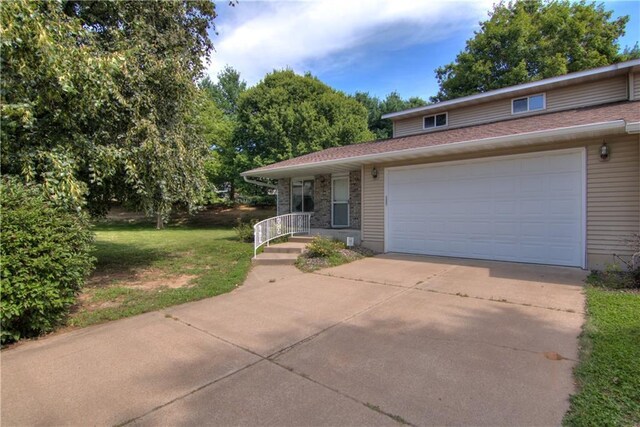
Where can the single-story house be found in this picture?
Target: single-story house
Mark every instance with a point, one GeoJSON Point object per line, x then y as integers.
{"type": "Point", "coordinates": [544, 172]}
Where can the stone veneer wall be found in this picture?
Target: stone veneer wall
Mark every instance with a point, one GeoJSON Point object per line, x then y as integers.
{"type": "Point", "coordinates": [355, 188]}
{"type": "Point", "coordinates": [284, 196]}
{"type": "Point", "coordinates": [321, 217]}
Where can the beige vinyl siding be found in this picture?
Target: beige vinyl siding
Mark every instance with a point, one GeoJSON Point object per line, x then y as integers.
{"type": "Point", "coordinates": [406, 127]}
{"type": "Point", "coordinates": [636, 86]}
{"type": "Point", "coordinates": [373, 208]}
{"type": "Point", "coordinates": [613, 200]}
{"type": "Point", "coordinates": [592, 93]}
{"type": "Point", "coordinates": [613, 196]}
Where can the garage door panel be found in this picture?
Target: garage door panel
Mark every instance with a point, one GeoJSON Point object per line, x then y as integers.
{"type": "Point", "coordinates": [521, 208]}
{"type": "Point", "coordinates": [531, 184]}
{"type": "Point", "coordinates": [565, 162]}
{"type": "Point", "coordinates": [564, 182]}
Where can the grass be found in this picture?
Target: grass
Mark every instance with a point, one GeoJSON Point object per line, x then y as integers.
{"type": "Point", "coordinates": [609, 371]}
{"type": "Point", "coordinates": [140, 269]}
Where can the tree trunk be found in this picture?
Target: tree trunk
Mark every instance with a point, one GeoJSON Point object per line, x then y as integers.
{"type": "Point", "coordinates": [159, 221]}
{"type": "Point", "coordinates": [232, 192]}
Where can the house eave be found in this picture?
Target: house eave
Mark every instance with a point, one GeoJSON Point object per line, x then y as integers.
{"type": "Point", "coordinates": [592, 130]}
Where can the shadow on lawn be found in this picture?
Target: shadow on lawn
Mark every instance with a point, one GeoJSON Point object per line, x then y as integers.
{"type": "Point", "coordinates": [121, 260]}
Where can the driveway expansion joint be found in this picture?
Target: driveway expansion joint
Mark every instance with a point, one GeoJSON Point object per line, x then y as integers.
{"type": "Point", "coordinates": [414, 286]}
{"type": "Point", "coordinates": [187, 394]}
{"type": "Point", "coordinates": [272, 359]}
{"type": "Point", "coordinates": [367, 405]}
{"type": "Point", "coordinates": [403, 290]}
{"type": "Point", "coordinates": [501, 300]}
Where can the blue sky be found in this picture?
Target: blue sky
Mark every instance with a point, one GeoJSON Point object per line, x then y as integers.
{"type": "Point", "coordinates": [374, 46]}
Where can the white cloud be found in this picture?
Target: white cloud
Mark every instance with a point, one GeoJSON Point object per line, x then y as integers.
{"type": "Point", "coordinates": [323, 34]}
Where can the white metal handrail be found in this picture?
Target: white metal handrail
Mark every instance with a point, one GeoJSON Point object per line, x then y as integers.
{"type": "Point", "coordinates": [278, 226]}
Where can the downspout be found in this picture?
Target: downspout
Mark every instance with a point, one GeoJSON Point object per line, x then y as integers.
{"type": "Point", "coordinates": [259, 183]}
{"type": "Point", "coordinates": [267, 185]}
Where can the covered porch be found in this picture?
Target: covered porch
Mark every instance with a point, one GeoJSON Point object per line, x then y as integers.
{"type": "Point", "coordinates": [333, 200]}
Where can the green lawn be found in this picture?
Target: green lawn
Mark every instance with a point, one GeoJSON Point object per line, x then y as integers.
{"type": "Point", "coordinates": [141, 269]}
{"type": "Point", "coordinates": [609, 371]}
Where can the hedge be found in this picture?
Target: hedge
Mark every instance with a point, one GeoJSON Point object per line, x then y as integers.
{"type": "Point", "coordinates": [45, 259]}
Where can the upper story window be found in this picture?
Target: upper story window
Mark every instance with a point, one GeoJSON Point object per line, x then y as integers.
{"type": "Point", "coordinates": [528, 103]}
{"type": "Point", "coordinates": [435, 121]}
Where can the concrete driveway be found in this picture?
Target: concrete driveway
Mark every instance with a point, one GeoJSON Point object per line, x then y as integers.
{"type": "Point", "coordinates": [386, 340]}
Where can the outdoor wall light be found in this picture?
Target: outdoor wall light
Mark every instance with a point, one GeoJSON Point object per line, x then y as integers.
{"type": "Point", "coordinates": [604, 152]}
{"type": "Point", "coordinates": [374, 173]}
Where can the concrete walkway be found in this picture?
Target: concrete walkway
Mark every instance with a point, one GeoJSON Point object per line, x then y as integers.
{"type": "Point", "coordinates": [390, 339]}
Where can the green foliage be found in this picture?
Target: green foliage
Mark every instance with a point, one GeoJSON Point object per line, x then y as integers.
{"type": "Point", "coordinates": [376, 108]}
{"type": "Point", "coordinates": [324, 252]}
{"type": "Point", "coordinates": [531, 40]}
{"type": "Point", "coordinates": [323, 247]}
{"type": "Point", "coordinates": [45, 260]}
{"type": "Point", "coordinates": [613, 277]}
{"type": "Point", "coordinates": [99, 100]}
{"type": "Point", "coordinates": [257, 200]}
{"type": "Point", "coordinates": [57, 96]}
{"type": "Point", "coordinates": [288, 115]}
{"type": "Point", "coordinates": [608, 374]}
{"type": "Point", "coordinates": [219, 120]}
{"type": "Point", "coordinates": [226, 91]}
{"type": "Point", "coordinates": [625, 273]}
{"type": "Point", "coordinates": [244, 230]}
{"type": "Point", "coordinates": [217, 130]}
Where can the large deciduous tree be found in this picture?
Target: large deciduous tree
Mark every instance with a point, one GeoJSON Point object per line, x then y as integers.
{"type": "Point", "coordinates": [58, 97]}
{"type": "Point", "coordinates": [99, 99]}
{"type": "Point", "coordinates": [383, 128]}
{"type": "Point", "coordinates": [226, 90]}
{"type": "Point", "coordinates": [534, 39]}
{"type": "Point", "coordinates": [220, 119]}
{"type": "Point", "coordinates": [288, 115]}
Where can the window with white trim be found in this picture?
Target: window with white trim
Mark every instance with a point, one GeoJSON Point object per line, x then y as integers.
{"type": "Point", "coordinates": [302, 195]}
{"type": "Point", "coordinates": [528, 103]}
{"type": "Point", "coordinates": [435, 121]}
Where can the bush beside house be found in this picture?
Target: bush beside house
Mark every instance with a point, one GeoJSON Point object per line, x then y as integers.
{"type": "Point", "coordinates": [45, 257]}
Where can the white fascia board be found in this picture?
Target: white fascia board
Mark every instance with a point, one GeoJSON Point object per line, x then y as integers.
{"type": "Point", "coordinates": [525, 86]}
{"type": "Point", "coordinates": [633, 127]}
{"type": "Point", "coordinates": [553, 135]}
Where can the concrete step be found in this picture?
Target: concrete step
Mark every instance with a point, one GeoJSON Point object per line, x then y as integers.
{"type": "Point", "coordinates": [274, 258]}
{"type": "Point", "coordinates": [288, 248]}
{"type": "Point", "coordinates": [301, 239]}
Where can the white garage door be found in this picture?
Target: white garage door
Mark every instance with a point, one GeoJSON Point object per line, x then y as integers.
{"type": "Point", "coordinates": [526, 208]}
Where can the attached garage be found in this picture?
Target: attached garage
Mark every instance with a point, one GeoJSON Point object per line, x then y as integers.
{"type": "Point", "coordinates": [525, 208]}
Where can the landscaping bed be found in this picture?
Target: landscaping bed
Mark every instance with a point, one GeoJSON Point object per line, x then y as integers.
{"type": "Point", "coordinates": [324, 252]}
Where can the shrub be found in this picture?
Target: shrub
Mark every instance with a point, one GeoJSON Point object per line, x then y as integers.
{"type": "Point", "coordinates": [626, 275]}
{"type": "Point", "coordinates": [323, 247]}
{"type": "Point", "coordinates": [244, 230]}
{"type": "Point", "coordinates": [45, 260]}
{"type": "Point", "coordinates": [613, 277]}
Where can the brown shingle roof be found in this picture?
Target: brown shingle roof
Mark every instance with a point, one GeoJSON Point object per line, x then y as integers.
{"type": "Point", "coordinates": [627, 111]}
